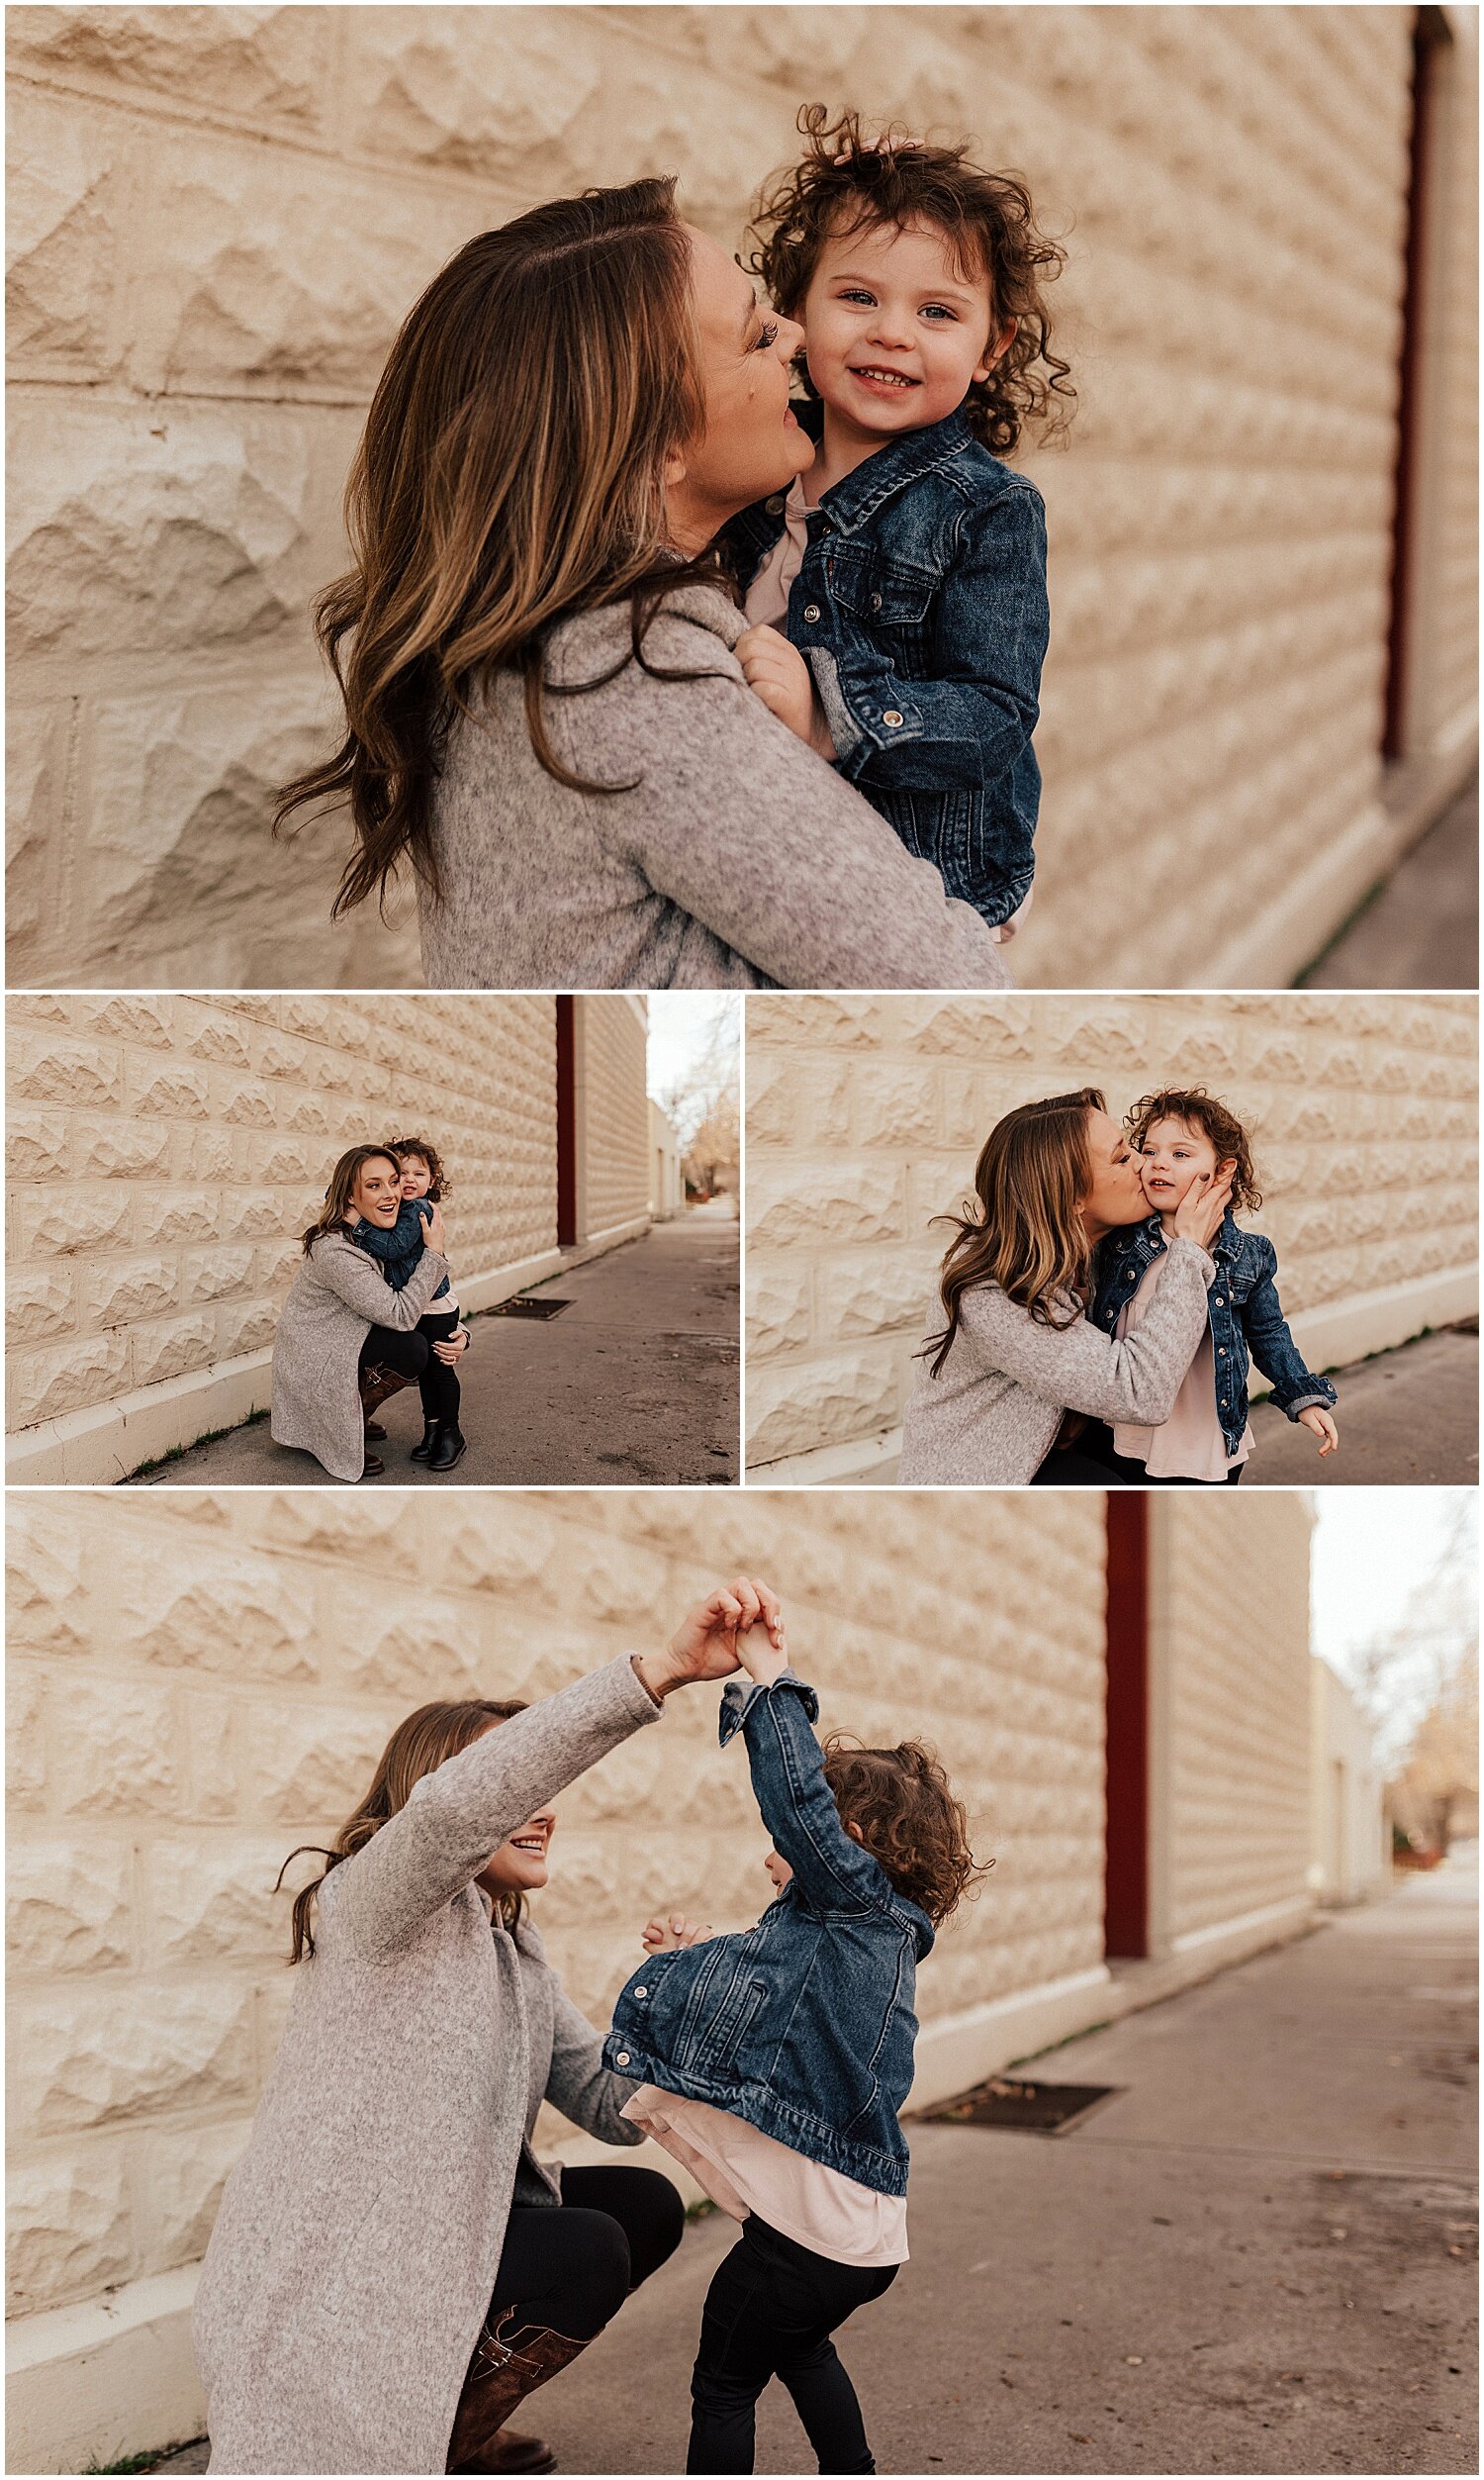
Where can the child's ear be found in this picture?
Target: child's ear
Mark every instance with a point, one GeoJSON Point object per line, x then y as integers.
{"type": "Point", "coordinates": [1221, 1169]}
{"type": "Point", "coordinates": [995, 352]}
{"type": "Point", "coordinates": [856, 1830]}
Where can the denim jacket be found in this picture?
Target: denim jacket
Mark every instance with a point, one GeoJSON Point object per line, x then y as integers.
{"type": "Point", "coordinates": [803, 2025]}
{"type": "Point", "coordinates": [1243, 1308]}
{"type": "Point", "coordinates": [398, 1250]}
{"type": "Point", "coordinates": [920, 608]}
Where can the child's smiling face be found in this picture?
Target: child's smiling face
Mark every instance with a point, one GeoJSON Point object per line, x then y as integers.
{"type": "Point", "coordinates": [895, 336]}
{"type": "Point", "coordinates": [1174, 1155]}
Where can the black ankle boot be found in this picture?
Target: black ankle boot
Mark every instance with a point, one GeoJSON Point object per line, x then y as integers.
{"type": "Point", "coordinates": [423, 1450]}
{"type": "Point", "coordinates": [449, 1448]}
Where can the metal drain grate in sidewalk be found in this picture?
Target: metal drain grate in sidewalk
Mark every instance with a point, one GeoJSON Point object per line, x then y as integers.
{"type": "Point", "coordinates": [1035, 2109]}
{"type": "Point", "coordinates": [516, 1307]}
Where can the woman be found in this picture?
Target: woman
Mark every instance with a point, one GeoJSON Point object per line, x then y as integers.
{"type": "Point", "coordinates": [545, 718]}
{"type": "Point", "coordinates": [345, 1340]}
{"type": "Point", "coordinates": [390, 2271]}
{"type": "Point", "coordinates": [1015, 1350]}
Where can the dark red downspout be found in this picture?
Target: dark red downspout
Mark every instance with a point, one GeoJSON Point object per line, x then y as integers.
{"type": "Point", "coordinates": [1126, 1890]}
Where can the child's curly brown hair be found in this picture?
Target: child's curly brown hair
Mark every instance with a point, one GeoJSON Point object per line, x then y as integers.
{"type": "Point", "coordinates": [438, 1185]}
{"type": "Point", "coordinates": [849, 183]}
{"type": "Point", "coordinates": [1220, 1126]}
{"type": "Point", "coordinates": [903, 1808]}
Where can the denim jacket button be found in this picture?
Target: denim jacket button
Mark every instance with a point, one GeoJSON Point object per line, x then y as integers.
{"type": "Point", "coordinates": [811, 611]}
{"type": "Point", "coordinates": [1222, 1349]}
{"type": "Point", "coordinates": [623, 2058]}
{"type": "Point", "coordinates": [775, 506]}
{"type": "Point", "coordinates": [891, 716]}
{"type": "Point", "coordinates": [875, 602]}
{"type": "Point", "coordinates": [641, 1992]}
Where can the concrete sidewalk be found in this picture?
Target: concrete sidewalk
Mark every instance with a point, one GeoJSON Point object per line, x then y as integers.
{"type": "Point", "coordinates": [636, 1382]}
{"type": "Point", "coordinates": [1257, 2258]}
{"type": "Point", "coordinates": [1421, 931]}
{"type": "Point", "coordinates": [1410, 1416]}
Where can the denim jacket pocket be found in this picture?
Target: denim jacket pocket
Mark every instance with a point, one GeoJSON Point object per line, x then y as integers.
{"type": "Point", "coordinates": [877, 592]}
{"type": "Point", "coordinates": [723, 2039]}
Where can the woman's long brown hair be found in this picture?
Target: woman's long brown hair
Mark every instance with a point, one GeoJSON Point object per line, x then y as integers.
{"type": "Point", "coordinates": [1034, 1171]}
{"type": "Point", "coordinates": [338, 1195]}
{"type": "Point", "coordinates": [416, 1748]}
{"type": "Point", "coordinates": [510, 473]}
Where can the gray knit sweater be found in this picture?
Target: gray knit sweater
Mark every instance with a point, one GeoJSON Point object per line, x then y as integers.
{"type": "Point", "coordinates": [356, 2246]}
{"type": "Point", "coordinates": [993, 1413]}
{"type": "Point", "coordinates": [338, 1295]}
{"type": "Point", "coordinates": [737, 861]}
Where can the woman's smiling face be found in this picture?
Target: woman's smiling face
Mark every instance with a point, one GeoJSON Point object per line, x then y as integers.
{"type": "Point", "coordinates": [519, 1865]}
{"type": "Point", "coordinates": [752, 445]}
{"type": "Point", "coordinates": [377, 1192]}
{"type": "Point", "coordinates": [1174, 1155]}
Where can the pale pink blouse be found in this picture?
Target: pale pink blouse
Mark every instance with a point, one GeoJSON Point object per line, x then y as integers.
{"type": "Point", "coordinates": [744, 2171]}
{"type": "Point", "coordinates": [1189, 1445]}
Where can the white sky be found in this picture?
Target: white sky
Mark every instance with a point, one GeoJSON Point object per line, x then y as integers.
{"type": "Point", "coordinates": [1372, 1549]}
{"type": "Point", "coordinates": [680, 1022]}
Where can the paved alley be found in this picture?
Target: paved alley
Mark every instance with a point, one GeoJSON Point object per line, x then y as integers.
{"type": "Point", "coordinates": [637, 1381]}
{"type": "Point", "coordinates": [1410, 1416]}
{"type": "Point", "coordinates": [1260, 2258]}
{"type": "Point", "coordinates": [1421, 931]}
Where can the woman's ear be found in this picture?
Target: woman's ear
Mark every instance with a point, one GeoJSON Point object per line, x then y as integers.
{"type": "Point", "coordinates": [675, 469]}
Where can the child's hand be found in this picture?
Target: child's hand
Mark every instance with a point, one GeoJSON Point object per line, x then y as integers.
{"type": "Point", "coordinates": [1315, 1417]}
{"type": "Point", "coordinates": [433, 1234]}
{"type": "Point", "coordinates": [663, 1937]}
{"type": "Point", "coordinates": [762, 1650]}
{"type": "Point", "coordinates": [778, 674]}
{"type": "Point", "coordinates": [708, 1640]}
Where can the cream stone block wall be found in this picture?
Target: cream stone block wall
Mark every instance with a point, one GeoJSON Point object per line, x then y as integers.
{"type": "Point", "coordinates": [1350, 1850]}
{"type": "Point", "coordinates": [614, 1112]}
{"type": "Point", "coordinates": [165, 1153]}
{"type": "Point", "coordinates": [1229, 1610]}
{"type": "Point", "coordinates": [865, 1116]}
{"type": "Point", "coordinates": [199, 1683]}
{"type": "Point", "coordinates": [218, 218]}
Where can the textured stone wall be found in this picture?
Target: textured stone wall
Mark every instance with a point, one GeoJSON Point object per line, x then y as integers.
{"type": "Point", "coordinates": [218, 218]}
{"type": "Point", "coordinates": [865, 1118]}
{"type": "Point", "coordinates": [164, 1151]}
{"type": "Point", "coordinates": [199, 1683]}
{"type": "Point", "coordinates": [1229, 1606]}
{"type": "Point", "coordinates": [614, 1112]}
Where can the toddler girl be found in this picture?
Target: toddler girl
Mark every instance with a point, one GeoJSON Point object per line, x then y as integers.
{"type": "Point", "coordinates": [898, 590]}
{"type": "Point", "coordinates": [424, 1186]}
{"type": "Point", "coordinates": [1180, 1135]}
{"type": "Point", "coordinates": [776, 2061]}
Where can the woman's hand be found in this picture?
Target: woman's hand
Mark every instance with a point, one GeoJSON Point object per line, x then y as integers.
{"type": "Point", "coordinates": [1199, 1213]}
{"type": "Point", "coordinates": [433, 1234]}
{"type": "Point", "coordinates": [1315, 1417]}
{"type": "Point", "coordinates": [705, 1644]}
{"type": "Point", "coordinates": [663, 1937]}
{"type": "Point", "coordinates": [777, 673]}
{"type": "Point", "coordinates": [454, 1348]}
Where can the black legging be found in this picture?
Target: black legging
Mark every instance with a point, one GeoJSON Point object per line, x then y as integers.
{"type": "Point", "coordinates": [769, 2312]}
{"type": "Point", "coordinates": [570, 2266]}
{"type": "Point", "coordinates": [1095, 1463]}
{"type": "Point", "coordinates": [408, 1351]}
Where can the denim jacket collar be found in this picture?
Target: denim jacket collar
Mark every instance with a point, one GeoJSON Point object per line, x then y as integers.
{"type": "Point", "coordinates": [852, 500]}
{"type": "Point", "coordinates": [1148, 1238]}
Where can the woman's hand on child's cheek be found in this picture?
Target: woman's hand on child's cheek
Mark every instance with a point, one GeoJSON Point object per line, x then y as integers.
{"type": "Point", "coordinates": [777, 672]}
{"type": "Point", "coordinates": [1322, 1423]}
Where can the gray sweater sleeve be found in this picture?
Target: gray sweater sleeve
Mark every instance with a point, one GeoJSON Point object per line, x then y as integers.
{"type": "Point", "coordinates": [461, 1812]}
{"type": "Point", "coordinates": [578, 2084]}
{"type": "Point", "coordinates": [358, 1281]}
{"type": "Point", "coordinates": [757, 837]}
{"type": "Point", "coordinates": [1081, 1369]}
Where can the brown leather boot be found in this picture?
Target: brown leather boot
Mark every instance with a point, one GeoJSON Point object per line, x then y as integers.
{"type": "Point", "coordinates": [510, 2451]}
{"type": "Point", "coordinates": [509, 2361]}
{"type": "Point", "coordinates": [377, 1383]}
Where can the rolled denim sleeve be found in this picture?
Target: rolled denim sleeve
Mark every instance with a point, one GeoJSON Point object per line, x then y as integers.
{"type": "Point", "coordinates": [797, 1806]}
{"type": "Point", "coordinates": [1271, 1343]}
{"type": "Point", "coordinates": [966, 726]}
